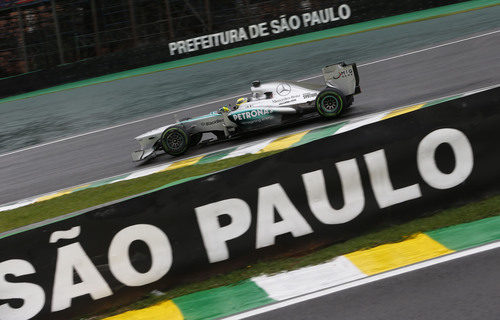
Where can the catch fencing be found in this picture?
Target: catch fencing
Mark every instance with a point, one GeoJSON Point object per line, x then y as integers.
{"type": "Point", "coordinates": [42, 34]}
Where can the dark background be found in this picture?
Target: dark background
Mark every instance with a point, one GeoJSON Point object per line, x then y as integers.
{"type": "Point", "coordinates": [46, 43]}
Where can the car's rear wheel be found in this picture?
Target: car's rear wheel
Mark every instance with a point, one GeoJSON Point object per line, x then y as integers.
{"type": "Point", "coordinates": [349, 101]}
{"type": "Point", "coordinates": [175, 140]}
{"type": "Point", "coordinates": [330, 102]}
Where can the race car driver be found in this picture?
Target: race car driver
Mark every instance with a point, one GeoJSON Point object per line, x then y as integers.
{"type": "Point", "coordinates": [239, 102]}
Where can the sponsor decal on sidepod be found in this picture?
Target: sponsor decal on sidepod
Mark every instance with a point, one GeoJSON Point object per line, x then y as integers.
{"type": "Point", "coordinates": [283, 89]}
{"type": "Point", "coordinates": [308, 95]}
{"type": "Point", "coordinates": [250, 115]}
{"type": "Point", "coordinates": [209, 123]}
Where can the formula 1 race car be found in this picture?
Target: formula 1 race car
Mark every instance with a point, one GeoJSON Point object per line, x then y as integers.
{"type": "Point", "coordinates": [272, 104]}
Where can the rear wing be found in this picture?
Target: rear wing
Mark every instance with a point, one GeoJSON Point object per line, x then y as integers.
{"type": "Point", "coordinates": [342, 76]}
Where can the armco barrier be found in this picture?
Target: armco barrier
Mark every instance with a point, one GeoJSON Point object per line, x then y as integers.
{"type": "Point", "coordinates": [317, 193]}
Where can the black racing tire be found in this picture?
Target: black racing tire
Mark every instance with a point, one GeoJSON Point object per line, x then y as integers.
{"type": "Point", "coordinates": [195, 139]}
{"type": "Point", "coordinates": [349, 101]}
{"type": "Point", "coordinates": [330, 103]}
{"type": "Point", "coordinates": [175, 140]}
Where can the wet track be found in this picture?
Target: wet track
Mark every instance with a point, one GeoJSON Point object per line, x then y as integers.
{"type": "Point", "coordinates": [422, 75]}
{"type": "Point", "coordinates": [462, 289]}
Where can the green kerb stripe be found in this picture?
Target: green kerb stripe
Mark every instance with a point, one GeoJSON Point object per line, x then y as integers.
{"type": "Point", "coordinates": [215, 156]}
{"type": "Point", "coordinates": [438, 101]}
{"type": "Point", "coordinates": [468, 235]}
{"type": "Point", "coordinates": [104, 182]}
{"type": "Point", "coordinates": [319, 134]}
{"type": "Point", "coordinates": [222, 301]}
{"type": "Point", "coordinates": [273, 44]}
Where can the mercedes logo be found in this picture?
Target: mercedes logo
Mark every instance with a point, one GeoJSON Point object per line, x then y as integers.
{"type": "Point", "coordinates": [283, 89]}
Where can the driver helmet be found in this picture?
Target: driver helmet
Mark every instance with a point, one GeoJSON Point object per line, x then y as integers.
{"type": "Point", "coordinates": [240, 101]}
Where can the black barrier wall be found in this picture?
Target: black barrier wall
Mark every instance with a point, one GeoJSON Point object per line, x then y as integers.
{"type": "Point", "coordinates": [319, 15]}
{"type": "Point", "coordinates": [322, 192]}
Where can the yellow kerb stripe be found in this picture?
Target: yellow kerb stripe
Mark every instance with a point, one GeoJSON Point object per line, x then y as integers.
{"type": "Point", "coordinates": [391, 256]}
{"type": "Point", "coordinates": [182, 163]}
{"type": "Point", "coordinates": [60, 193]}
{"type": "Point", "coordinates": [163, 311]}
{"type": "Point", "coordinates": [284, 142]}
{"type": "Point", "coordinates": [401, 111]}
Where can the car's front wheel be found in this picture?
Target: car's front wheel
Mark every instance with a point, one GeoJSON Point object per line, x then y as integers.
{"type": "Point", "coordinates": [330, 102]}
{"type": "Point", "coordinates": [175, 140]}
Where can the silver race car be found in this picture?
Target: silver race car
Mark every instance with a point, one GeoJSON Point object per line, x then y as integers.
{"type": "Point", "coordinates": [272, 104]}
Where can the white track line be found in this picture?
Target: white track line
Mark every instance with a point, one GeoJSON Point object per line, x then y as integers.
{"type": "Point", "coordinates": [433, 47]}
{"type": "Point", "coordinates": [233, 97]}
{"type": "Point", "coordinates": [363, 118]}
{"type": "Point", "coordinates": [356, 283]}
{"type": "Point", "coordinates": [417, 51]}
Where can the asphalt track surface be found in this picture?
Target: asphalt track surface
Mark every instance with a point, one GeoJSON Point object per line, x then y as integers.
{"type": "Point", "coordinates": [469, 63]}
{"type": "Point", "coordinates": [462, 289]}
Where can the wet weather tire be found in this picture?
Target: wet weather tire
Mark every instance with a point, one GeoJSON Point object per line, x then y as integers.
{"type": "Point", "coordinates": [175, 140]}
{"type": "Point", "coordinates": [349, 101]}
{"type": "Point", "coordinates": [330, 103]}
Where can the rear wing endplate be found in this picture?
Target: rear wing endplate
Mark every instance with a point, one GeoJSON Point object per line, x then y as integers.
{"type": "Point", "coordinates": [342, 76]}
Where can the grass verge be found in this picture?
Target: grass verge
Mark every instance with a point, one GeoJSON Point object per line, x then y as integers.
{"type": "Point", "coordinates": [382, 235]}
{"type": "Point", "coordinates": [99, 195]}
